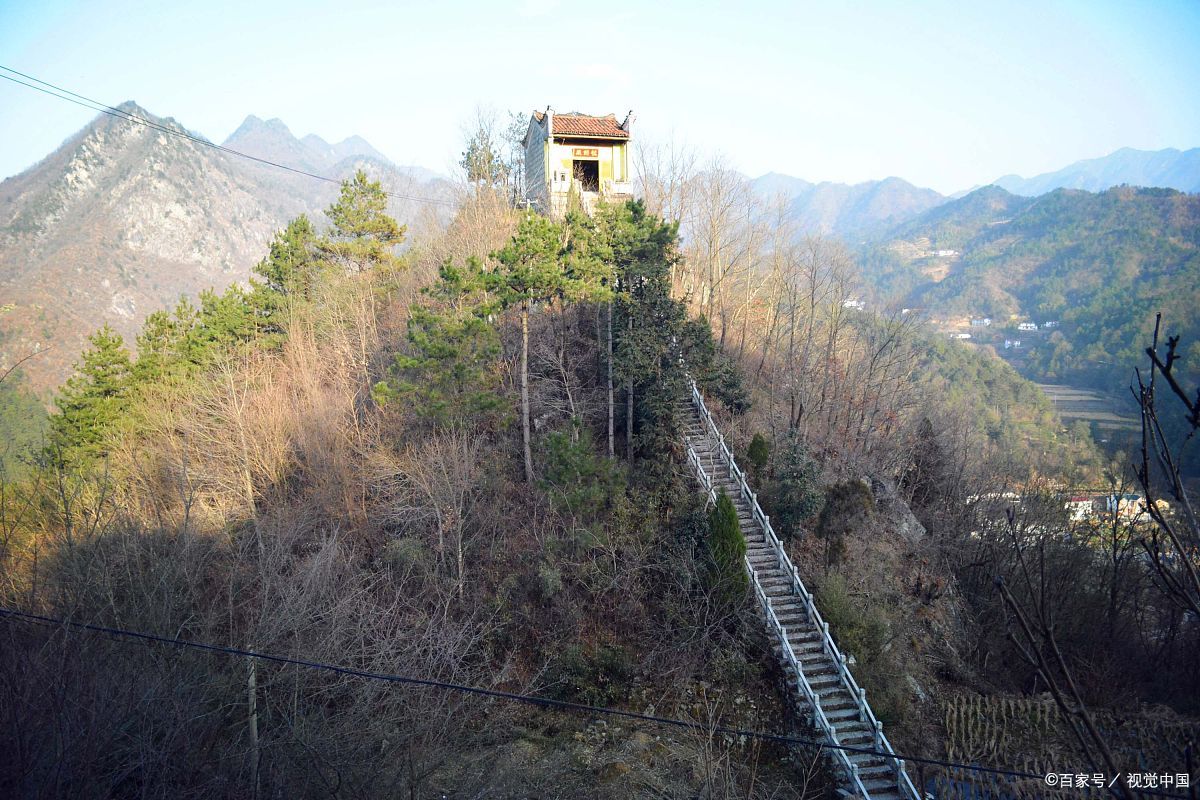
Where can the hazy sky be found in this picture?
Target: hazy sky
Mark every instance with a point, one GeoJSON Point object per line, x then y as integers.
{"type": "Point", "coordinates": [943, 94]}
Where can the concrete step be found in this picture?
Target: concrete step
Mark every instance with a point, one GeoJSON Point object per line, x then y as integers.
{"type": "Point", "coordinates": [864, 740]}
{"type": "Point", "coordinates": [877, 785]}
{"type": "Point", "coordinates": [793, 613]}
{"type": "Point", "coordinates": [867, 761]}
{"type": "Point", "coordinates": [837, 704]}
{"type": "Point", "coordinates": [881, 771]}
{"type": "Point", "coordinates": [857, 737]}
{"type": "Point", "coordinates": [803, 636]}
{"type": "Point", "coordinates": [822, 676]}
{"type": "Point", "coordinates": [800, 636]}
{"type": "Point", "coordinates": [784, 607]}
{"type": "Point", "coordinates": [810, 659]}
{"type": "Point", "coordinates": [838, 715]}
{"type": "Point", "coordinates": [827, 689]}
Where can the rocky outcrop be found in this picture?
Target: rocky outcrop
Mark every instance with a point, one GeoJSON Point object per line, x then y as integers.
{"type": "Point", "coordinates": [123, 219]}
{"type": "Point", "coordinates": [896, 510]}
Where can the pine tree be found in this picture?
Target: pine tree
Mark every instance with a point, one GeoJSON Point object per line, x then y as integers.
{"type": "Point", "coordinates": [288, 268]}
{"type": "Point", "coordinates": [290, 273]}
{"type": "Point", "coordinates": [713, 371]}
{"type": "Point", "coordinates": [926, 477]}
{"type": "Point", "coordinates": [649, 325]}
{"type": "Point", "coordinates": [848, 507]}
{"type": "Point", "coordinates": [223, 322]}
{"type": "Point", "coordinates": [93, 400]}
{"type": "Point", "coordinates": [531, 272]}
{"type": "Point", "coordinates": [448, 372]}
{"type": "Point", "coordinates": [758, 453]}
{"type": "Point", "coordinates": [362, 236]}
{"type": "Point", "coordinates": [589, 268]}
{"type": "Point", "coordinates": [157, 348]}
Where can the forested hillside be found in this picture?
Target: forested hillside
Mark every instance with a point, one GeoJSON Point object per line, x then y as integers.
{"type": "Point", "coordinates": [329, 464]}
{"type": "Point", "coordinates": [462, 462]}
{"type": "Point", "coordinates": [1099, 265]}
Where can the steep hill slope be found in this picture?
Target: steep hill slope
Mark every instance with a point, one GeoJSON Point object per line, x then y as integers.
{"type": "Point", "coordinates": [1170, 168]}
{"type": "Point", "coordinates": [122, 219]}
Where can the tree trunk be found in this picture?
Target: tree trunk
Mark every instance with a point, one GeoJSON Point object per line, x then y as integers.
{"type": "Point", "coordinates": [252, 692]}
{"type": "Point", "coordinates": [528, 452]}
{"type": "Point", "coordinates": [611, 435]}
{"type": "Point", "coordinates": [629, 408]}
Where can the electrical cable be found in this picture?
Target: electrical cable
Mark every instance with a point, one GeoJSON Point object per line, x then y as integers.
{"type": "Point", "coordinates": [113, 111]}
{"type": "Point", "coordinates": [521, 698]}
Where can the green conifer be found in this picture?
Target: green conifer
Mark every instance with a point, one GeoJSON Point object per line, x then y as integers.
{"type": "Point", "coordinates": [93, 400]}
{"type": "Point", "coordinates": [531, 271]}
{"type": "Point", "coordinates": [727, 550]}
{"type": "Point", "coordinates": [362, 236]}
{"type": "Point", "coordinates": [448, 372]}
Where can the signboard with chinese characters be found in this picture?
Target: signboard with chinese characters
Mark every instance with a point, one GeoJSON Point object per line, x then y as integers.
{"type": "Point", "coordinates": [585, 152]}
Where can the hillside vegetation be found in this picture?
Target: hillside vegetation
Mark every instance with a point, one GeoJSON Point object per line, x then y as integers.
{"type": "Point", "coordinates": [461, 462]}
{"type": "Point", "coordinates": [1100, 265]}
{"type": "Point", "coordinates": [330, 464]}
{"type": "Point", "coordinates": [129, 214]}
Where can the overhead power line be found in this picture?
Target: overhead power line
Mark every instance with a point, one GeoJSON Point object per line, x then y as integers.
{"type": "Point", "coordinates": [544, 702]}
{"type": "Point", "coordinates": [113, 111]}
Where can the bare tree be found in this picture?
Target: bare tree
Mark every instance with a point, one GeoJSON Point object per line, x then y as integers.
{"type": "Point", "coordinates": [1036, 641]}
{"type": "Point", "coordinates": [435, 485]}
{"type": "Point", "coordinates": [1174, 542]}
{"type": "Point", "coordinates": [664, 175]}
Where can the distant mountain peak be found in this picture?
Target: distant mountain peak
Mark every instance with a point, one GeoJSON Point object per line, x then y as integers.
{"type": "Point", "coordinates": [122, 219]}
{"type": "Point", "coordinates": [253, 125]}
{"type": "Point", "coordinates": [131, 107]}
{"type": "Point", "coordinates": [274, 141]}
{"type": "Point", "coordinates": [1168, 168]}
{"type": "Point", "coordinates": [848, 209]}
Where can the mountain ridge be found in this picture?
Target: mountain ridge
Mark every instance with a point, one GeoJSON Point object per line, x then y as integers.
{"type": "Point", "coordinates": [1098, 264]}
{"type": "Point", "coordinates": [849, 210]}
{"type": "Point", "coordinates": [1168, 168]}
{"type": "Point", "coordinates": [123, 218]}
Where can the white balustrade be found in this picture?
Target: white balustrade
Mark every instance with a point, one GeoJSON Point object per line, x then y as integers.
{"type": "Point", "coordinates": [830, 647]}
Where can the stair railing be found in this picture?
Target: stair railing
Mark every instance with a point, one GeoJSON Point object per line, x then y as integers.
{"type": "Point", "coordinates": [820, 721]}
{"type": "Point", "coordinates": [785, 564]}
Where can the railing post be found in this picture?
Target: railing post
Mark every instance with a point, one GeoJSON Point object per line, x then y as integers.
{"type": "Point", "coordinates": [707, 474]}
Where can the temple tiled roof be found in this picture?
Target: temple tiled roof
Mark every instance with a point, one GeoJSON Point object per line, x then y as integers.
{"type": "Point", "coordinates": [575, 124]}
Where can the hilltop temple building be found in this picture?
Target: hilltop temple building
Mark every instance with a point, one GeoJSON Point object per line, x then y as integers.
{"type": "Point", "coordinates": [576, 156]}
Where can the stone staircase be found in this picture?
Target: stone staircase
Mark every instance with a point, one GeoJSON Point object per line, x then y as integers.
{"type": "Point", "coordinates": [819, 679]}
